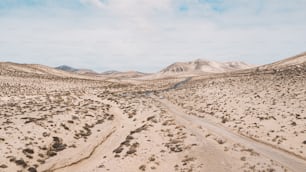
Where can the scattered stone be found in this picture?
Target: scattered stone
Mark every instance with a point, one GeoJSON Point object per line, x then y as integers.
{"type": "Point", "coordinates": [118, 150]}
{"type": "Point", "coordinates": [3, 166]}
{"type": "Point", "coordinates": [21, 162]}
{"type": "Point", "coordinates": [28, 151]}
{"type": "Point", "coordinates": [45, 134]}
{"type": "Point", "coordinates": [32, 169]}
{"type": "Point", "coordinates": [142, 168]}
{"type": "Point", "coordinates": [176, 148]}
{"type": "Point", "coordinates": [51, 153]}
{"type": "Point", "coordinates": [221, 141]}
{"type": "Point", "coordinates": [133, 148]}
{"type": "Point", "coordinates": [57, 145]}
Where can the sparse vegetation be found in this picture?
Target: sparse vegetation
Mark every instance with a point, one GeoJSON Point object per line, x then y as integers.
{"type": "Point", "coordinates": [47, 119]}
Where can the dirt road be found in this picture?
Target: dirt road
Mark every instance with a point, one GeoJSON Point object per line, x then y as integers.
{"type": "Point", "coordinates": [286, 159]}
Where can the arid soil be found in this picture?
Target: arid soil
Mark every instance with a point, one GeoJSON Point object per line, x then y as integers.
{"type": "Point", "coordinates": [252, 120]}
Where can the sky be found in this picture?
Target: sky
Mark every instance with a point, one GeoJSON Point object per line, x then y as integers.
{"type": "Point", "coordinates": [148, 35]}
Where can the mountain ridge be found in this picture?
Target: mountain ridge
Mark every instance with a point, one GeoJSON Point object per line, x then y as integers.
{"type": "Point", "coordinates": [177, 69]}
{"type": "Point", "coordinates": [204, 66]}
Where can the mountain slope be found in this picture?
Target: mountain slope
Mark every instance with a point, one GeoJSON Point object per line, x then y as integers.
{"type": "Point", "coordinates": [297, 60]}
{"type": "Point", "coordinates": [204, 66]}
{"type": "Point", "coordinates": [34, 70]}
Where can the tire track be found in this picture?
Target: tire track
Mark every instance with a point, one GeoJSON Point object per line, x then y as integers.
{"type": "Point", "coordinates": [52, 169]}
{"type": "Point", "coordinates": [288, 160]}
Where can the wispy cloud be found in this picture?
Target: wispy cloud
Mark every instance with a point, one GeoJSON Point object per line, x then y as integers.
{"type": "Point", "coordinates": [96, 3]}
{"type": "Point", "coordinates": [147, 35]}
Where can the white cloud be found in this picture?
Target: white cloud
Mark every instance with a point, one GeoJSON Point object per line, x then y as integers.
{"type": "Point", "coordinates": [147, 35]}
{"type": "Point", "coordinates": [96, 3]}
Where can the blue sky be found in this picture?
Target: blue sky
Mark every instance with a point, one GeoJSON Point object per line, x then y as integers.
{"type": "Point", "coordinates": [148, 35]}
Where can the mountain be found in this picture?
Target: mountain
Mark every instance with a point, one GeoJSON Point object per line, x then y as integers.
{"type": "Point", "coordinates": [66, 68]}
{"type": "Point", "coordinates": [75, 70]}
{"type": "Point", "coordinates": [204, 66]}
{"type": "Point", "coordinates": [108, 74]}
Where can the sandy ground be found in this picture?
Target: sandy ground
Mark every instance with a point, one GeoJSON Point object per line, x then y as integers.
{"type": "Point", "coordinates": [268, 108]}
{"type": "Point", "coordinates": [236, 122]}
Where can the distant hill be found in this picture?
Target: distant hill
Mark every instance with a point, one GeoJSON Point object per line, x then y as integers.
{"type": "Point", "coordinates": [75, 70]}
{"type": "Point", "coordinates": [110, 72]}
{"type": "Point", "coordinates": [124, 75]}
{"type": "Point", "coordinates": [178, 69]}
{"type": "Point", "coordinates": [33, 70]}
{"type": "Point", "coordinates": [204, 66]}
{"type": "Point", "coordinates": [66, 68]}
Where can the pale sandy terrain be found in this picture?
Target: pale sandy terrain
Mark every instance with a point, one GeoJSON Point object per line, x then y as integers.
{"type": "Point", "coordinates": [203, 66]}
{"type": "Point", "coordinates": [251, 120]}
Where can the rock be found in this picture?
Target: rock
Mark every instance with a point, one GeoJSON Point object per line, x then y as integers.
{"type": "Point", "coordinates": [32, 169]}
{"type": "Point", "coordinates": [221, 141]}
{"type": "Point", "coordinates": [3, 166]}
{"type": "Point", "coordinates": [57, 145]}
{"type": "Point", "coordinates": [28, 151]}
{"type": "Point", "coordinates": [131, 151]}
{"type": "Point", "coordinates": [132, 148]}
{"type": "Point", "coordinates": [118, 150]}
{"type": "Point", "coordinates": [21, 162]}
{"type": "Point", "coordinates": [51, 153]}
{"type": "Point", "coordinates": [129, 137]}
{"type": "Point", "coordinates": [142, 168]}
{"type": "Point", "coordinates": [176, 148]}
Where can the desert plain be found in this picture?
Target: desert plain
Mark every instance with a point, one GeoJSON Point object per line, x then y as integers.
{"type": "Point", "coordinates": [251, 119]}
